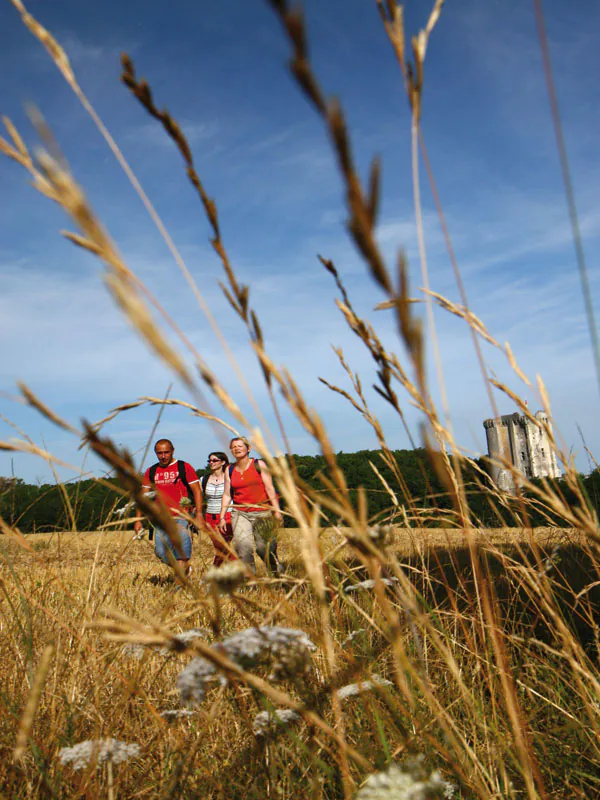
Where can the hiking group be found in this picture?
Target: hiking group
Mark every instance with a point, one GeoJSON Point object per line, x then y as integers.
{"type": "Point", "coordinates": [242, 509]}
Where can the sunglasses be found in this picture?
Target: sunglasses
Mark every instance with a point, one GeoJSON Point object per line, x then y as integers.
{"type": "Point", "coordinates": [214, 460]}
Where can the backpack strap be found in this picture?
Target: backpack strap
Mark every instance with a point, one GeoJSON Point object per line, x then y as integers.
{"type": "Point", "coordinates": [152, 473]}
{"type": "Point", "coordinates": [183, 478]}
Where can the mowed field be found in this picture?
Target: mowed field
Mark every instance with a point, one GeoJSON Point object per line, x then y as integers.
{"type": "Point", "coordinates": [87, 620]}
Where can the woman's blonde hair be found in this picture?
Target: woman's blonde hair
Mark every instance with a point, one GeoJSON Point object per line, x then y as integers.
{"type": "Point", "coordinates": [240, 439]}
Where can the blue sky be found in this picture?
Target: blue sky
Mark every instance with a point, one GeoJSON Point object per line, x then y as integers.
{"type": "Point", "coordinates": [263, 155]}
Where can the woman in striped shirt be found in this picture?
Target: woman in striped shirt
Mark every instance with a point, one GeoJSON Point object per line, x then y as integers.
{"type": "Point", "coordinates": [213, 486]}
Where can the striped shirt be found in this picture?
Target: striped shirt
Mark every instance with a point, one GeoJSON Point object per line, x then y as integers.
{"type": "Point", "coordinates": [213, 493]}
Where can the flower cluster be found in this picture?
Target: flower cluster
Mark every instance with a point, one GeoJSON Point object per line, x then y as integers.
{"type": "Point", "coordinates": [176, 713]}
{"type": "Point", "coordinates": [228, 577]}
{"type": "Point", "coordinates": [411, 781]}
{"type": "Point", "coordinates": [352, 636]}
{"type": "Point", "coordinates": [285, 650]}
{"type": "Point", "coordinates": [266, 721]}
{"type": "Point", "coordinates": [119, 512]}
{"type": "Point", "coordinates": [353, 689]}
{"type": "Point", "coordinates": [369, 584]}
{"type": "Point", "coordinates": [552, 560]}
{"type": "Point", "coordinates": [133, 650]}
{"type": "Point", "coordinates": [98, 751]}
{"type": "Point", "coordinates": [379, 534]}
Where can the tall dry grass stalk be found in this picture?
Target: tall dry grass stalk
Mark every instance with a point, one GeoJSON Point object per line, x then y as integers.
{"type": "Point", "coordinates": [477, 652]}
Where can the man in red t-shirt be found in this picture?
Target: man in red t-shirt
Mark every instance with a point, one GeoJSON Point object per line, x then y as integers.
{"type": "Point", "coordinates": [165, 477]}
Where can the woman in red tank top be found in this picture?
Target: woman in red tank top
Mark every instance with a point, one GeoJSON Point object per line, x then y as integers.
{"type": "Point", "coordinates": [249, 485]}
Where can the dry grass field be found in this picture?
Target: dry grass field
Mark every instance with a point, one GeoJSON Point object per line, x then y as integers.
{"type": "Point", "coordinates": [88, 624]}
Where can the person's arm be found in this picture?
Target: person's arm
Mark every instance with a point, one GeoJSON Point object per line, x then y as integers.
{"type": "Point", "coordinates": [270, 490]}
{"type": "Point", "coordinates": [196, 488]}
{"type": "Point", "coordinates": [225, 502]}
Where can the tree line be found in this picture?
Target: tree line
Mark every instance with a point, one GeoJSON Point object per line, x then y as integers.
{"type": "Point", "coordinates": [420, 496]}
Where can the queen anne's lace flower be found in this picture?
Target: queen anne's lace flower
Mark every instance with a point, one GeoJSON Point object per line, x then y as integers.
{"type": "Point", "coordinates": [176, 713]}
{"type": "Point", "coordinates": [133, 650]}
{"type": "Point", "coordinates": [353, 689]}
{"type": "Point", "coordinates": [194, 680]}
{"type": "Point", "coordinates": [98, 751]}
{"type": "Point", "coordinates": [379, 534]}
{"type": "Point", "coordinates": [369, 584]}
{"type": "Point", "coordinates": [285, 650]}
{"type": "Point", "coordinates": [352, 636]}
{"type": "Point", "coordinates": [118, 512]}
{"type": "Point", "coordinates": [185, 637]}
{"type": "Point", "coordinates": [228, 577]}
{"type": "Point", "coordinates": [409, 782]}
{"type": "Point", "coordinates": [266, 721]}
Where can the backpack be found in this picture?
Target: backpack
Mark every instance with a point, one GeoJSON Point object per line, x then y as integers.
{"type": "Point", "coordinates": [181, 477]}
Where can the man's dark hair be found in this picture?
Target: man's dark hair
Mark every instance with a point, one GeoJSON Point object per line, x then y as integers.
{"type": "Point", "coordinates": [164, 441]}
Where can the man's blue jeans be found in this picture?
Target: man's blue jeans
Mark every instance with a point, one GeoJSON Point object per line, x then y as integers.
{"type": "Point", "coordinates": [162, 544]}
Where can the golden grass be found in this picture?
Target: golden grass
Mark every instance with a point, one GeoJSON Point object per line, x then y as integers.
{"type": "Point", "coordinates": [55, 584]}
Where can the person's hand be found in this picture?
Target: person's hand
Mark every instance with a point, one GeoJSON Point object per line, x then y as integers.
{"type": "Point", "coordinates": [137, 525]}
{"type": "Point", "coordinates": [198, 523]}
{"type": "Point", "coordinates": [278, 515]}
{"type": "Point", "coordinates": [223, 525]}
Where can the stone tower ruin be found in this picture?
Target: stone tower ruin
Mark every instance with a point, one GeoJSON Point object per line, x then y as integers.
{"type": "Point", "coordinates": [517, 439]}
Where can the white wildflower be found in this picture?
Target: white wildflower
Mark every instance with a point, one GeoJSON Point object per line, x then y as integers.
{"type": "Point", "coordinates": [285, 650]}
{"type": "Point", "coordinates": [379, 534]}
{"type": "Point", "coordinates": [133, 650]}
{"type": "Point", "coordinates": [119, 512]}
{"type": "Point", "coordinates": [353, 689]}
{"type": "Point", "coordinates": [369, 584]}
{"type": "Point", "coordinates": [227, 577]}
{"type": "Point", "coordinates": [194, 680]}
{"type": "Point", "coordinates": [409, 782]}
{"type": "Point", "coordinates": [194, 633]}
{"type": "Point", "coordinates": [352, 636]}
{"type": "Point", "coordinates": [176, 713]}
{"type": "Point", "coordinates": [266, 721]}
{"type": "Point", "coordinates": [98, 751]}
{"type": "Point", "coordinates": [552, 560]}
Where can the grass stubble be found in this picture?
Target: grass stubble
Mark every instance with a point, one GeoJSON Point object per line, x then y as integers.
{"type": "Point", "coordinates": [455, 662]}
